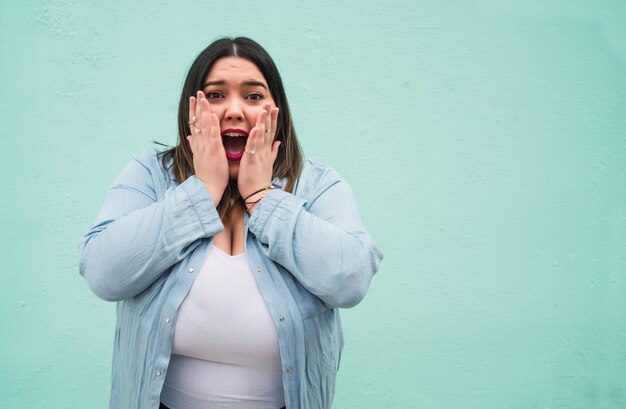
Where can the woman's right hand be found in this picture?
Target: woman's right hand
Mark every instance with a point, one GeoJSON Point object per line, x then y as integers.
{"type": "Point", "coordinates": [209, 158]}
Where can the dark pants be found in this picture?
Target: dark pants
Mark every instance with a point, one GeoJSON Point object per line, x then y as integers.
{"type": "Point", "coordinates": [165, 407]}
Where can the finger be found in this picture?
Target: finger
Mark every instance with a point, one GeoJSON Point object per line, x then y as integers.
{"type": "Point", "coordinates": [206, 120]}
{"type": "Point", "coordinates": [268, 126]}
{"type": "Point", "coordinates": [274, 115]}
{"type": "Point", "coordinates": [215, 136]}
{"type": "Point", "coordinates": [192, 112]}
{"type": "Point", "coordinates": [260, 125]}
{"type": "Point", "coordinates": [199, 97]}
{"type": "Point", "coordinates": [253, 137]}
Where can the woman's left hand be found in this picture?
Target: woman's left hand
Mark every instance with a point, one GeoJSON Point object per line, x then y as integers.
{"type": "Point", "coordinates": [255, 168]}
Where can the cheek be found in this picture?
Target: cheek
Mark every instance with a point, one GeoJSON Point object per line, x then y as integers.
{"type": "Point", "coordinates": [251, 115]}
{"type": "Point", "coordinates": [219, 111]}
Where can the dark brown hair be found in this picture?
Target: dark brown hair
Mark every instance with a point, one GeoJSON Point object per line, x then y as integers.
{"type": "Point", "coordinates": [289, 159]}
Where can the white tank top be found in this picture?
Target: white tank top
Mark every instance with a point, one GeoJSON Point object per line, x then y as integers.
{"type": "Point", "coordinates": [225, 352]}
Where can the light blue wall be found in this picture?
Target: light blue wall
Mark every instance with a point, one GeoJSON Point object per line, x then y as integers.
{"type": "Point", "coordinates": [486, 142]}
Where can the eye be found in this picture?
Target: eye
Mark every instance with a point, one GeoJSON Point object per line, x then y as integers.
{"type": "Point", "coordinates": [255, 96]}
{"type": "Point", "coordinates": [213, 95]}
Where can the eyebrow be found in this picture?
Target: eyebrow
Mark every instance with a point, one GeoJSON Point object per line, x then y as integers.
{"type": "Point", "coordinates": [248, 83]}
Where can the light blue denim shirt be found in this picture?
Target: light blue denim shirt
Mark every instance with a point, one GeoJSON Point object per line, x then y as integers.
{"type": "Point", "coordinates": [309, 251]}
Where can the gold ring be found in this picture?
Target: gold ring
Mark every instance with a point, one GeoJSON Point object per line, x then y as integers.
{"type": "Point", "coordinates": [197, 130]}
{"type": "Point", "coordinates": [268, 131]}
{"type": "Point", "coordinates": [249, 151]}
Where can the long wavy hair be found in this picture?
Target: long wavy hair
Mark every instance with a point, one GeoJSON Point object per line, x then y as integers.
{"type": "Point", "coordinates": [289, 159]}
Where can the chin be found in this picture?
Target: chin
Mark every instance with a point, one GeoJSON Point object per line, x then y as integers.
{"type": "Point", "coordinates": [233, 169]}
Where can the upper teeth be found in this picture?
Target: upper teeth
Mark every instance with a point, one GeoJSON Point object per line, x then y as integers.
{"type": "Point", "coordinates": [233, 134]}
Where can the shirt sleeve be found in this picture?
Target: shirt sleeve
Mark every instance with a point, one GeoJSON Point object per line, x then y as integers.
{"type": "Point", "coordinates": [321, 241]}
{"type": "Point", "coordinates": [138, 236]}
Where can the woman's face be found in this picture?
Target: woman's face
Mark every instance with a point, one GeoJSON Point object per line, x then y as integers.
{"type": "Point", "coordinates": [237, 92]}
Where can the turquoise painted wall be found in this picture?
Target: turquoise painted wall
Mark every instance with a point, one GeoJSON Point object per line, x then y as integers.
{"type": "Point", "coordinates": [486, 142]}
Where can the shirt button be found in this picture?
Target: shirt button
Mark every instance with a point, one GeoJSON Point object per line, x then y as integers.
{"type": "Point", "coordinates": [282, 318]}
{"type": "Point", "coordinates": [157, 372]}
{"type": "Point", "coordinates": [258, 269]}
{"type": "Point", "coordinates": [289, 370]}
{"type": "Point", "coordinates": [252, 235]}
{"type": "Point", "coordinates": [191, 270]}
{"type": "Point", "coordinates": [167, 320]}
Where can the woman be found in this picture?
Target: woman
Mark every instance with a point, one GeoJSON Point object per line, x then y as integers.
{"type": "Point", "coordinates": [228, 255]}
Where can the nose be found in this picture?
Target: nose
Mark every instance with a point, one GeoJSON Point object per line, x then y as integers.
{"type": "Point", "coordinates": [233, 110]}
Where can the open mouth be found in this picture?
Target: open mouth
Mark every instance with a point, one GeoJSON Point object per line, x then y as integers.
{"type": "Point", "coordinates": [234, 141]}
